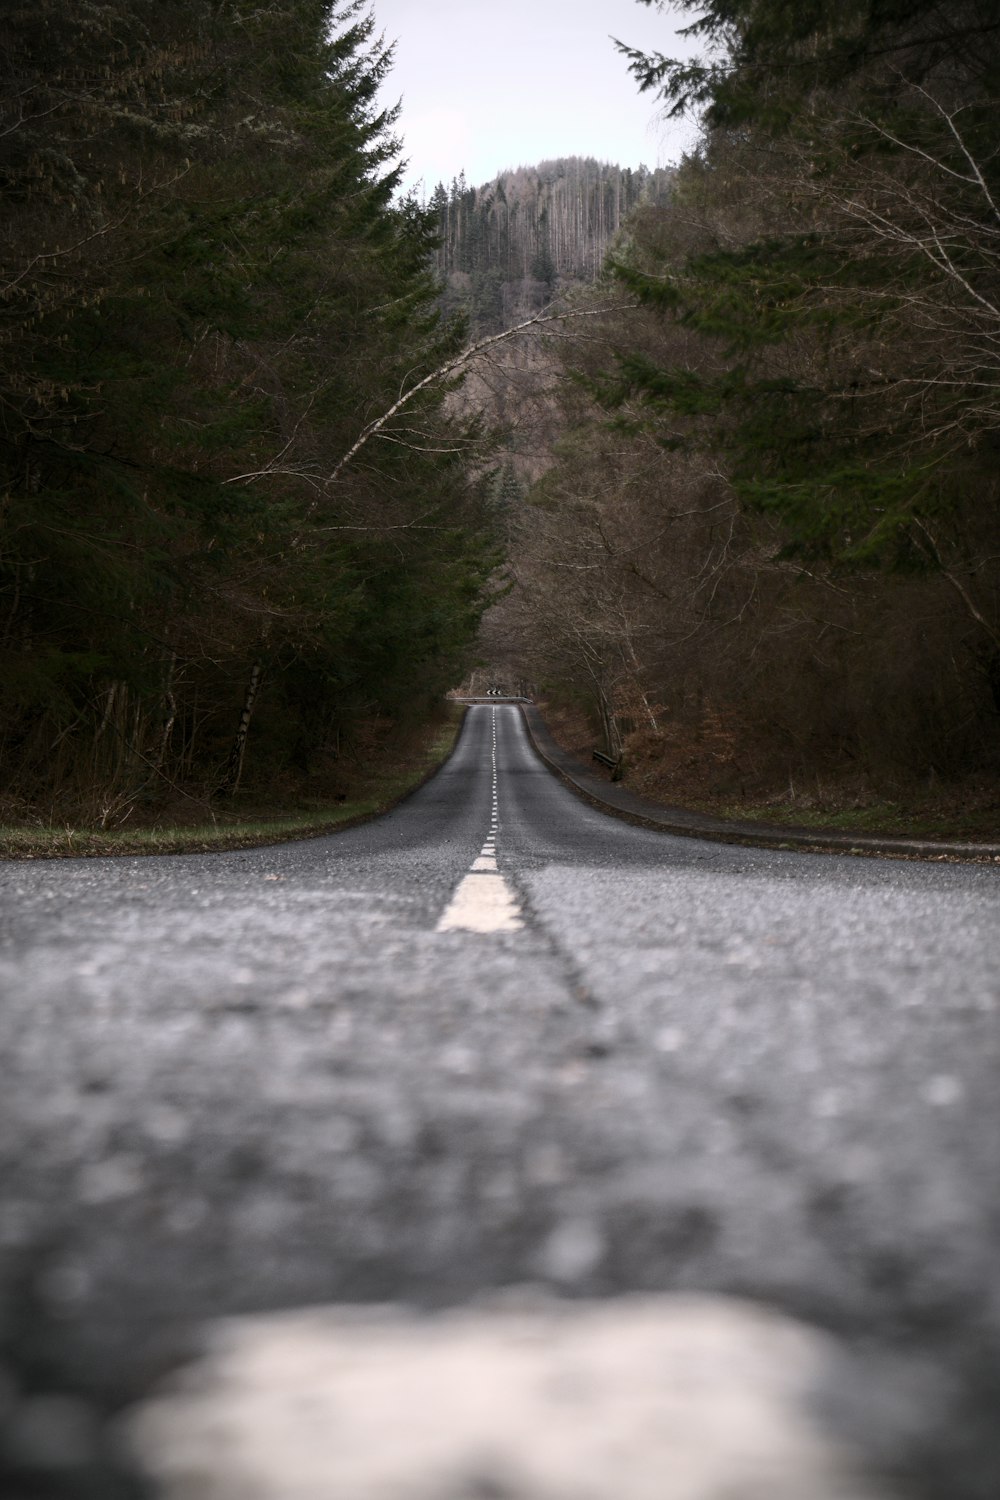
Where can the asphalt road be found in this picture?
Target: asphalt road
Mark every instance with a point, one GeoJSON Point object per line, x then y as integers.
{"type": "Point", "coordinates": [605, 1060]}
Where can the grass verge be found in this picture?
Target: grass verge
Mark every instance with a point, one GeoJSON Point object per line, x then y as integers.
{"type": "Point", "coordinates": [380, 790]}
{"type": "Point", "coordinates": [891, 819]}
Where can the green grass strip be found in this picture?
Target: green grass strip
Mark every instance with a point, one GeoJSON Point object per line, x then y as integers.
{"type": "Point", "coordinates": [383, 791]}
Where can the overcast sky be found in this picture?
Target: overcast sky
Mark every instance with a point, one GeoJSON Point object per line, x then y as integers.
{"type": "Point", "coordinates": [487, 85]}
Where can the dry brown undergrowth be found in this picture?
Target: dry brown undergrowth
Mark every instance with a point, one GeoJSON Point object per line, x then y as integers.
{"type": "Point", "coordinates": [720, 767]}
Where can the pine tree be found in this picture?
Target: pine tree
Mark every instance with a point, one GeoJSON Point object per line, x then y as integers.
{"type": "Point", "coordinates": [205, 303]}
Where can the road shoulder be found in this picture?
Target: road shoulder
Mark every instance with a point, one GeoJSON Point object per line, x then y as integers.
{"type": "Point", "coordinates": [621, 803]}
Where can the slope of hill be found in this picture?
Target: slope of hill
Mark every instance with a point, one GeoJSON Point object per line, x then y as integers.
{"type": "Point", "coordinates": [510, 245]}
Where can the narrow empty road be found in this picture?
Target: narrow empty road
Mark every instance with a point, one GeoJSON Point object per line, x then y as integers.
{"type": "Point", "coordinates": [498, 1037]}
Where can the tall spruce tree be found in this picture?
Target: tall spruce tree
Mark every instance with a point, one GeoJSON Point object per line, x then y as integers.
{"type": "Point", "coordinates": [209, 289]}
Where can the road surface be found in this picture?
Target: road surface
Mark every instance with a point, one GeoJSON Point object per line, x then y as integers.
{"type": "Point", "coordinates": [494, 1038]}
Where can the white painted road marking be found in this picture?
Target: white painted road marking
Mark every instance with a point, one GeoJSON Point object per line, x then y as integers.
{"type": "Point", "coordinates": [672, 1397]}
{"type": "Point", "coordinates": [483, 901]}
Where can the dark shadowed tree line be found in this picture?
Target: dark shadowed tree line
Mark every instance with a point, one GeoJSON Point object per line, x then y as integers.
{"type": "Point", "coordinates": [775, 504]}
{"type": "Point", "coordinates": [208, 290]}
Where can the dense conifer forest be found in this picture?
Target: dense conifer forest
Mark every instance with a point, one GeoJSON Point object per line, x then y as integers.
{"type": "Point", "coordinates": [765, 551]}
{"type": "Point", "coordinates": [745, 516]}
{"type": "Point", "coordinates": [209, 289]}
{"type": "Point", "coordinates": [508, 245]}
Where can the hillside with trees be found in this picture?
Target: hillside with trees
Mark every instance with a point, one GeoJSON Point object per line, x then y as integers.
{"type": "Point", "coordinates": [766, 557]}
{"type": "Point", "coordinates": [526, 245]}
{"type": "Point", "coordinates": [209, 293]}
{"type": "Point", "coordinates": [508, 246]}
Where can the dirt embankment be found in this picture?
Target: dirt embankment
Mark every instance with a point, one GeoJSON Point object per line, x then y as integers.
{"type": "Point", "coordinates": [717, 767]}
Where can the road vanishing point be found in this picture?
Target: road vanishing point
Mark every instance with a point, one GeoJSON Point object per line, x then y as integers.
{"type": "Point", "coordinates": [498, 1149]}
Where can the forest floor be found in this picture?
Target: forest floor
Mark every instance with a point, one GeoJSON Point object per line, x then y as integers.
{"type": "Point", "coordinates": [716, 771]}
{"type": "Point", "coordinates": [384, 767]}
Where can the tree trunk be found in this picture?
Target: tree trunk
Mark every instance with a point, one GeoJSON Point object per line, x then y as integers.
{"type": "Point", "coordinates": [612, 735]}
{"type": "Point", "coordinates": [230, 782]}
{"type": "Point", "coordinates": [169, 715]}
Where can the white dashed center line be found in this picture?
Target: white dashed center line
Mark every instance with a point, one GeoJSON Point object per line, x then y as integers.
{"type": "Point", "coordinates": [482, 903]}
{"type": "Point", "coordinates": [483, 900]}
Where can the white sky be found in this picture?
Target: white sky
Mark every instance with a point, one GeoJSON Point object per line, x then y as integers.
{"type": "Point", "coordinates": [488, 85]}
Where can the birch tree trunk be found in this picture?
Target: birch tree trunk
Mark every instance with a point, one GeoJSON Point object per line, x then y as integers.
{"type": "Point", "coordinates": [230, 782]}
{"type": "Point", "coordinates": [169, 715]}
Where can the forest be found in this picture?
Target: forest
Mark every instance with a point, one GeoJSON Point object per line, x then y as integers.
{"type": "Point", "coordinates": [506, 247]}
{"type": "Point", "coordinates": [215, 570]}
{"type": "Point", "coordinates": [764, 558]}
{"type": "Point", "coordinates": [733, 504]}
